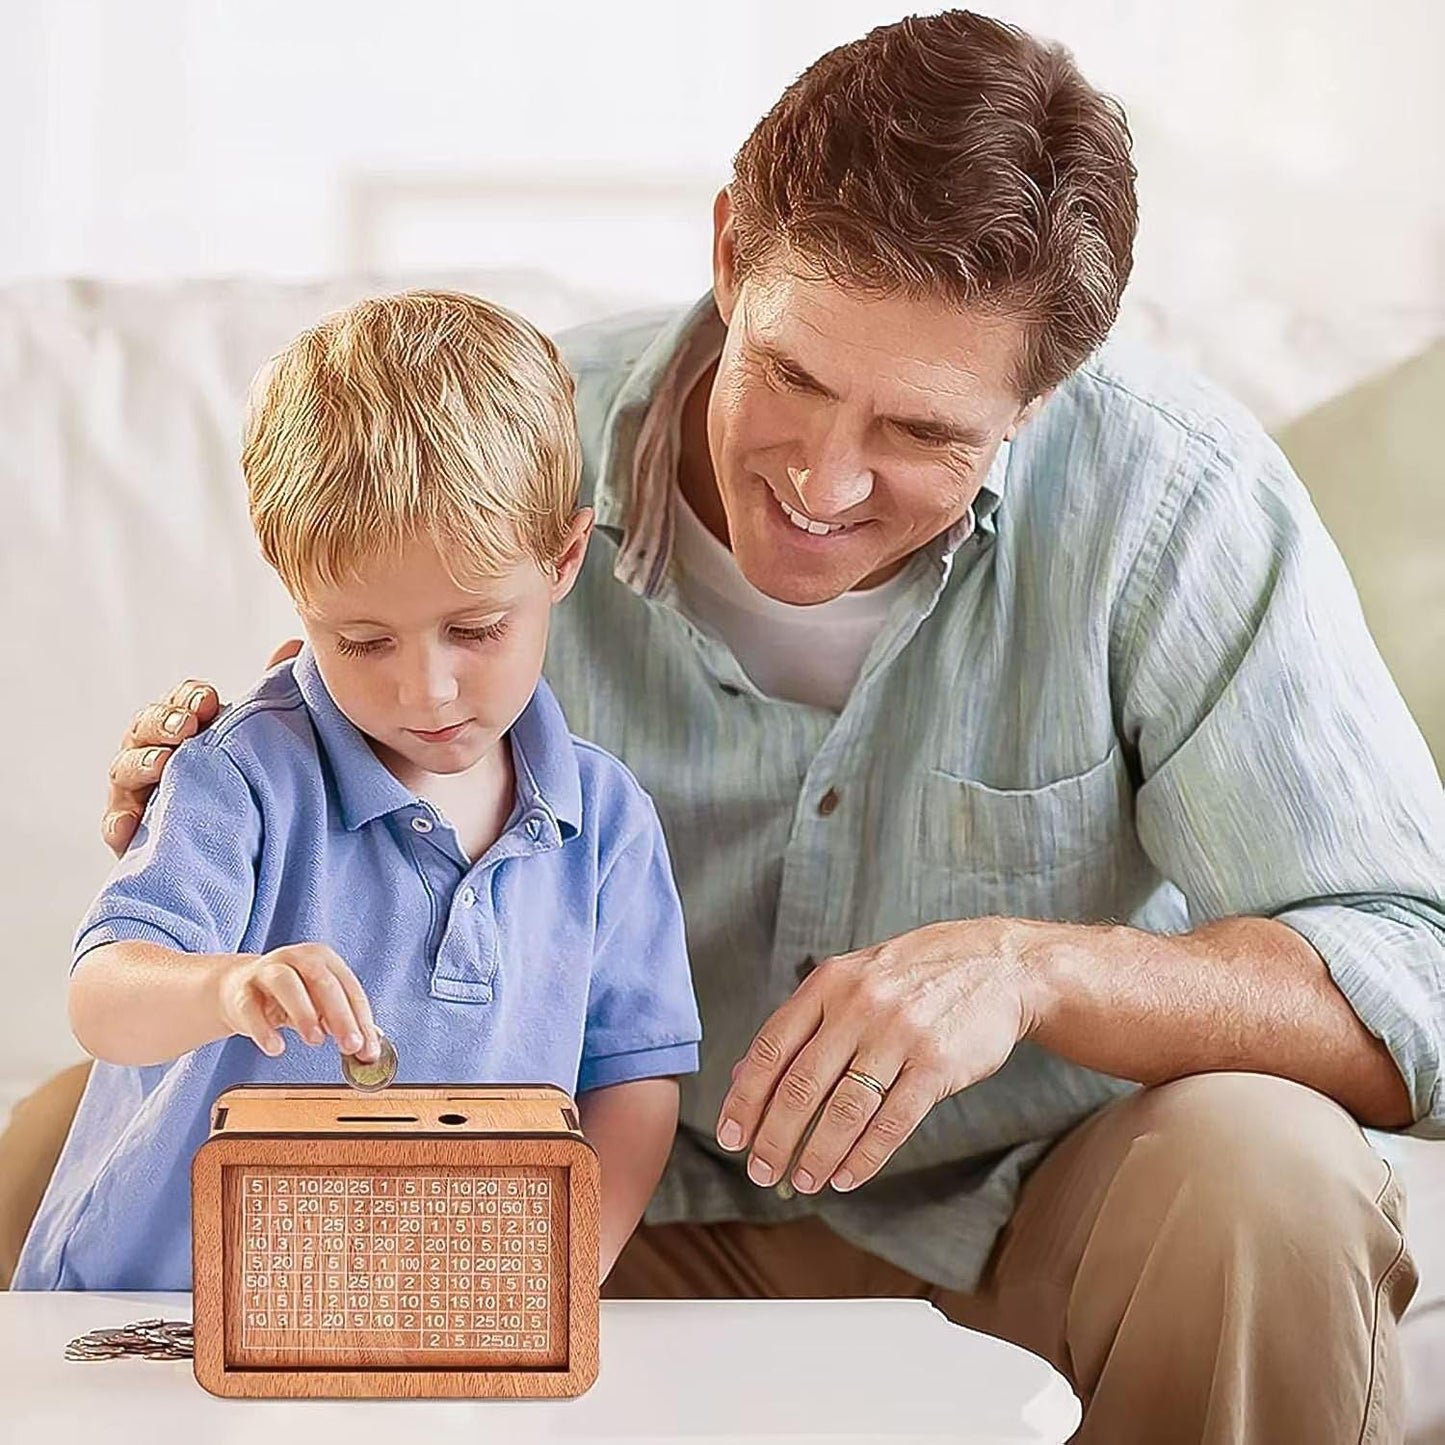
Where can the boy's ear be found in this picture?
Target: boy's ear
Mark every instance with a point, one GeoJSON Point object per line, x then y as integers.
{"type": "Point", "coordinates": [574, 549]}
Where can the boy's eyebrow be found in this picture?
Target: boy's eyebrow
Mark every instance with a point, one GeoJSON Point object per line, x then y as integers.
{"type": "Point", "coordinates": [929, 422]}
{"type": "Point", "coordinates": [482, 609]}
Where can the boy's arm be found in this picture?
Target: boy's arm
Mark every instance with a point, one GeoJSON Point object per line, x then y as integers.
{"type": "Point", "coordinates": [140, 1003]}
{"type": "Point", "coordinates": [158, 969]}
{"type": "Point", "coordinates": [631, 1127]}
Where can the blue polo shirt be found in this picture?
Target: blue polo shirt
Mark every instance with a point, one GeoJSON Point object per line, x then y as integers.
{"type": "Point", "coordinates": [557, 957]}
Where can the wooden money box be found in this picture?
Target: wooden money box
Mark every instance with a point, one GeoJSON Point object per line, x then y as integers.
{"type": "Point", "coordinates": [422, 1241]}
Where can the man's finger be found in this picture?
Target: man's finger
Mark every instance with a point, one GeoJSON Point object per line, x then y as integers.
{"type": "Point", "coordinates": [117, 829]}
{"type": "Point", "coordinates": [775, 1047]}
{"type": "Point", "coordinates": [133, 774]}
{"type": "Point", "coordinates": [195, 696]}
{"type": "Point", "coordinates": [163, 724]}
{"type": "Point", "coordinates": [901, 1112]}
{"type": "Point", "coordinates": [850, 1108]}
{"type": "Point", "coordinates": [797, 1099]}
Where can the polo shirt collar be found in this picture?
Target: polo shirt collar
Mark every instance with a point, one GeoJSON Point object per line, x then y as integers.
{"type": "Point", "coordinates": [548, 780]}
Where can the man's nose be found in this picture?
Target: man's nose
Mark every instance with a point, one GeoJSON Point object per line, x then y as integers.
{"type": "Point", "coordinates": [834, 478]}
{"type": "Point", "coordinates": [826, 492]}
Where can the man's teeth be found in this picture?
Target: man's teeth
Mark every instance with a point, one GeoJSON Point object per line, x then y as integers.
{"type": "Point", "coordinates": [807, 524]}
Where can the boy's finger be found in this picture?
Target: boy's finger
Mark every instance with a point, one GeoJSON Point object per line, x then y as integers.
{"type": "Point", "coordinates": [334, 1007]}
{"type": "Point", "coordinates": [256, 1026]}
{"type": "Point", "coordinates": [361, 1008]}
{"type": "Point", "coordinates": [288, 989]}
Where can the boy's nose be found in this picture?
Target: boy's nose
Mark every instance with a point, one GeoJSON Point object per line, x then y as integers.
{"type": "Point", "coordinates": [427, 686]}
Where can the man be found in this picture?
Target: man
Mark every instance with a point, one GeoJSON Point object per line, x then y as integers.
{"type": "Point", "coordinates": [1019, 742]}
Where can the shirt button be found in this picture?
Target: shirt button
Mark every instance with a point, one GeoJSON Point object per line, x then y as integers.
{"type": "Point", "coordinates": [534, 828]}
{"type": "Point", "coordinates": [421, 825]}
{"type": "Point", "coordinates": [828, 803]}
{"type": "Point", "coordinates": [469, 897]}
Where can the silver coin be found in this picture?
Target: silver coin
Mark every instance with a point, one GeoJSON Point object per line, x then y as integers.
{"type": "Point", "coordinates": [369, 1078]}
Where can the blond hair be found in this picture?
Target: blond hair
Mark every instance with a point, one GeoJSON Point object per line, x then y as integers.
{"type": "Point", "coordinates": [429, 415]}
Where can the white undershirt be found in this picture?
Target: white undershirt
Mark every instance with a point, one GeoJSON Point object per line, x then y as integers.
{"type": "Point", "coordinates": [800, 654]}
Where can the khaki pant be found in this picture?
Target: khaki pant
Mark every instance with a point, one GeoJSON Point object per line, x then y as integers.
{"type": "Point", "coordinates": [1216, 1259]}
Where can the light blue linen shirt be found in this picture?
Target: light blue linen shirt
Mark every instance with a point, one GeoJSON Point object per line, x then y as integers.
{"type": "Point", "coordinates": [1137, 686]}
{"type": "Point", "coordinates": [557, 957]}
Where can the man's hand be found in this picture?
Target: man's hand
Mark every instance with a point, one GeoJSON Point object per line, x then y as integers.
{"type": "Point", "coordinates": [153, 735]}
{"type": "Point", "coordinates": [925, 1015]}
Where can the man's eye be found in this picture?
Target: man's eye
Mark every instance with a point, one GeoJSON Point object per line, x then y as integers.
{"type": "Point", "coordinates": [787, 380]}
{"type": "Point", "coordinates": [490, 633]}
{"type": "Point", "coordinates": [926, 438]}
{"type": "Point", "coordinates": [348, 648]}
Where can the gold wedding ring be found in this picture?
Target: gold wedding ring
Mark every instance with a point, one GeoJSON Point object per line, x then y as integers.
{"type": "Point", "coordinates": [867, 1080]}
{"type": "Point", "coordinates": [784, 1187]}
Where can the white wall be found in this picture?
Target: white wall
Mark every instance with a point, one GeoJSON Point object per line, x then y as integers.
{"type": "Point", "coordinates": [1290, 180]}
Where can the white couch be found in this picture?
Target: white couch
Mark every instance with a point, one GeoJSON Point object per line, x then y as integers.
{"type": "Point", "coordinates": [126, 564]}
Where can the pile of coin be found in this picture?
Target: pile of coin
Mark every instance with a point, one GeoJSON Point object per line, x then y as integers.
{"type": "Point", "coordinates": [146, 1339]}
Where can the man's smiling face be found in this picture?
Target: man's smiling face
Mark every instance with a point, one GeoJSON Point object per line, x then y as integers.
{"type": "Point", "coordinates": [849, 430]}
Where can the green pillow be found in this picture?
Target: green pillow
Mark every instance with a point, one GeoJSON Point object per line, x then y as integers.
{"type": "Point", "coordinates": [1374, 462]}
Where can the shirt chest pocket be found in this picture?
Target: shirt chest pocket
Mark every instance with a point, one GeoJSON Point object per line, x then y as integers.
{"type": "Point", "coordinates": [1064, 850]}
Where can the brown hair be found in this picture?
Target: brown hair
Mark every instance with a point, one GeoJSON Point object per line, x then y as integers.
{"type": "Point", "coordinates": [427, 415]}
{"type": "Point", "coordinates": [950, 155]}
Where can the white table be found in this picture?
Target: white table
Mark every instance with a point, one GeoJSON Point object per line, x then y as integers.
{"type": "Point", "coordinates": [880, 1371]}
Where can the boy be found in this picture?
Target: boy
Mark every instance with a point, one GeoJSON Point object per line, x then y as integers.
{"type": "Point", "coordinates": [394, 831]}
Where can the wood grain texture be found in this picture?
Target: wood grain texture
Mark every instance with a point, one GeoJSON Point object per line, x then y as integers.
{"type": "Point", "coordinates": [482, 1223]}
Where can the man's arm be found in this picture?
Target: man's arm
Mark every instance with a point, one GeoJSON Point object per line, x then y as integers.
{"type": "Point", "coordinates": [631, 1127]}
{"type": "Point", "coordinates": [1283, 789]}
{"type": "Point", "coordinates": [1245, 994]}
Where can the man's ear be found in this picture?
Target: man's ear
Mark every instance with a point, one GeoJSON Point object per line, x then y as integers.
{"type": "Point", "coordinates": [574, 549]}
{"type": "Point", "coordinates": [724, 261]}
{"type": "Point", "coordinates": [1025, 416]}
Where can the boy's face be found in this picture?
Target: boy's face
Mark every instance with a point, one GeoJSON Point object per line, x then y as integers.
{"type": "Point", "coordinates": [433, 673]}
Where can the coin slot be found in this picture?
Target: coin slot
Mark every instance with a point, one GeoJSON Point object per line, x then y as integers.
{"type": "Point", "coordinates": [376, 1119]}
{"type": "Point", "coordinates": [451, 1118]}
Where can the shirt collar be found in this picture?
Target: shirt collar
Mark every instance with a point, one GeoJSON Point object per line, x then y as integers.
{"type": "Point", "coordinates": [548, 780]}
{"type": "Point", "coordinates": [616, 491]}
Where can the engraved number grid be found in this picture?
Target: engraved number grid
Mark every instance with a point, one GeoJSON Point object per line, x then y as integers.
{"type": "Point", "coordinates": [405, 1261]}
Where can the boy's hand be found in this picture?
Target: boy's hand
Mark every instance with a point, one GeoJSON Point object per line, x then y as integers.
{"type": "Point", "coordinates": [304, 986]}
{"type": "Point", "coordinates": [146, 748]}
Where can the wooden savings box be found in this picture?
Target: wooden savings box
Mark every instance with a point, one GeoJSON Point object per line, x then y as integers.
{"type": "Point", "coordinates": [420, 1241]}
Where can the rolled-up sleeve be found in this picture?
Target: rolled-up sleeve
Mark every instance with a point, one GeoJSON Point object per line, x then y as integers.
{"type": "Point", "coordinates": [1282, 775]}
